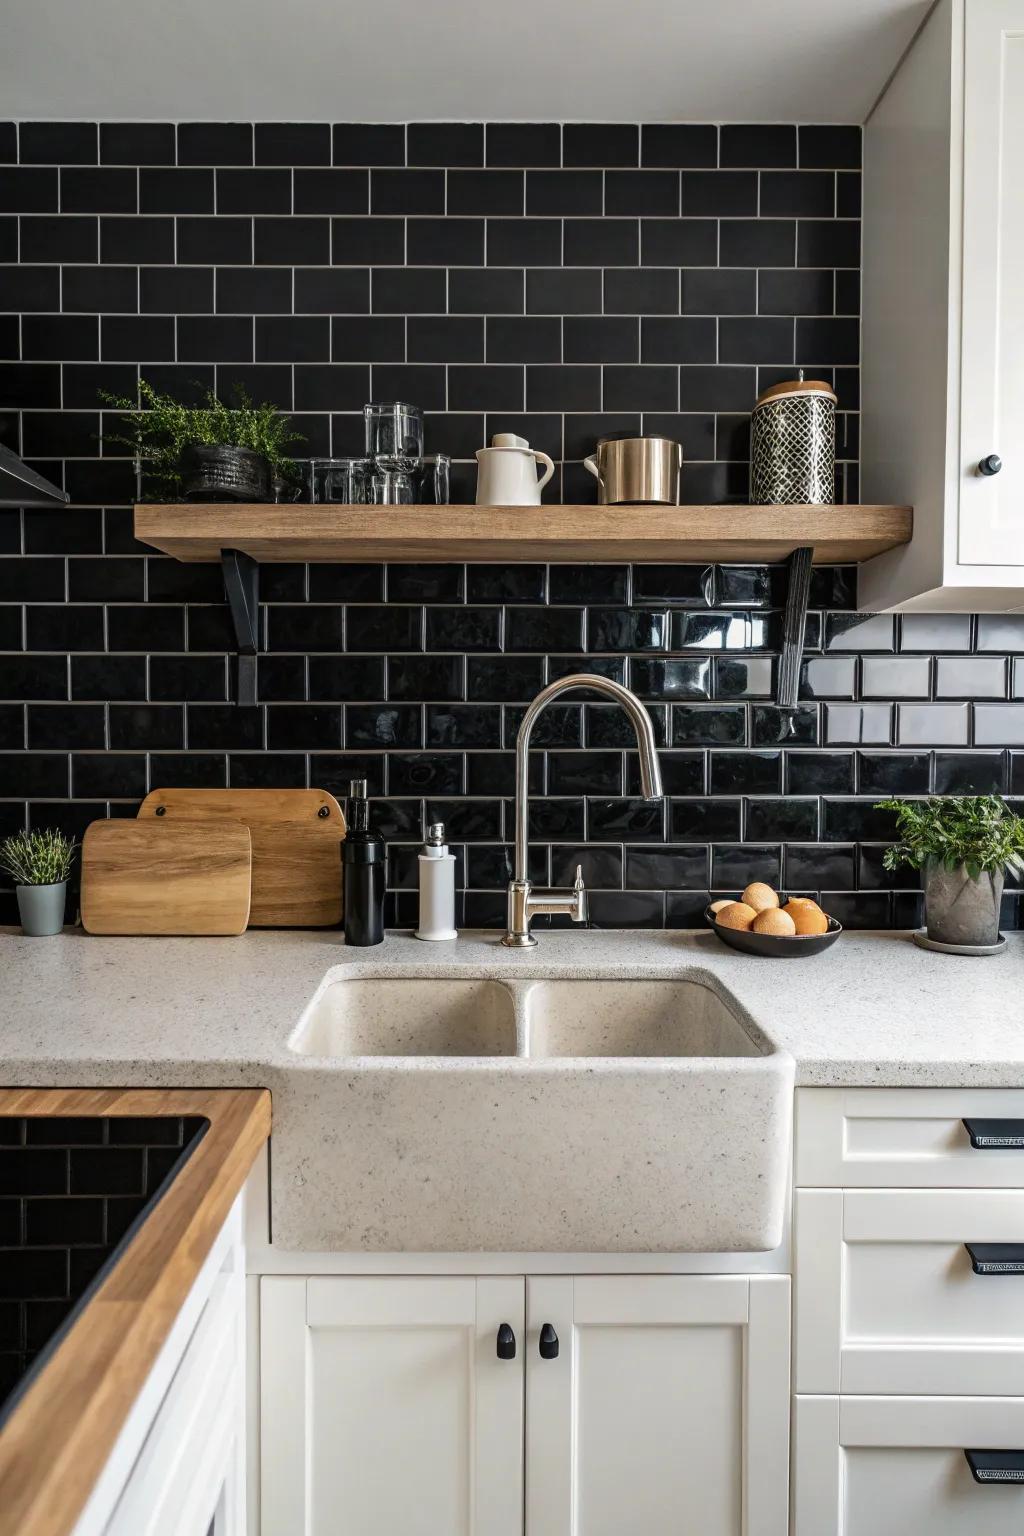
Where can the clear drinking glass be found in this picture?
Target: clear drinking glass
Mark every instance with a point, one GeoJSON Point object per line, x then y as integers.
{"type": "Point", "coordinates": [394, 433]}
{"type": "Point", "coordinates": [346, 481]}
{"type": "Point", "coordinates": [393, 487]}
{"type": "Point", "coordinates": [435, 480]}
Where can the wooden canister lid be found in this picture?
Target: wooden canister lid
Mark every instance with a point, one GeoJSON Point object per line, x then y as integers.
{"type": "Point", "coordinates": [800, 386]}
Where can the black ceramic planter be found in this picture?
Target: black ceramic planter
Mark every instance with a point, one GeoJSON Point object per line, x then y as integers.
{"type": "Point", "coordinates": [216, 473]}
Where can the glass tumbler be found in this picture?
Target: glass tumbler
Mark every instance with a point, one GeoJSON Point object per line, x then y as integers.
{"type": "Point", "coordinates": [392, 487]}
{"type": "Point", "coordinates": [394, 433]}
{"type": "Point", "coordinates": [345, 481]}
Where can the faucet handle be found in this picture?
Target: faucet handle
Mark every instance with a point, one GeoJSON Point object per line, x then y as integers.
{"type": "Point", "coordinates": [580, 914]}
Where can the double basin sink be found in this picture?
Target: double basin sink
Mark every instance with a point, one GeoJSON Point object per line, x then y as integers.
{"type": "Point", "coordinates": [544, 1114]}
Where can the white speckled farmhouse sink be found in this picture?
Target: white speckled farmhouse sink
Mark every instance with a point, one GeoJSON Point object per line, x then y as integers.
{"type": "Point", "coordinates": [512, 1113]}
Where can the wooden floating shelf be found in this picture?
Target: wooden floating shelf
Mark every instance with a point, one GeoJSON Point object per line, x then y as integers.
{"type": "Point", "coordinates": [273, 533]}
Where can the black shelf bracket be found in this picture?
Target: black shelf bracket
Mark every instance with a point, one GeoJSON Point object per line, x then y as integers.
{"type": "Point", "coordinates": [242, 585]}
{"type": "Point", "coordinates": [794, 624]}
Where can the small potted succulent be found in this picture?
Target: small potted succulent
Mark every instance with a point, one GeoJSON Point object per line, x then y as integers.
{"type": "Point", "coordinates": [39, 863]}
{"type": "Point", "coordinates": [963, 846]}
{"type": "Point", "coordinates": [210, 452]}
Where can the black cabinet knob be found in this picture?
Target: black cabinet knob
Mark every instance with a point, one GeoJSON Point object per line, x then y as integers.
{"type": "Point", "coordinates": [506, 1342]}
{"type": "Point", "coordinates": [991, 464]}
{"type": "Point", "coordinates": [548, 1343]}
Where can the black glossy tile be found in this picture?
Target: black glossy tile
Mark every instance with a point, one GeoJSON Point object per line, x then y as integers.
{"type": "Point", "coordinates": [894, 773]}
{"type": "Point", "coordinates": [771, 726]}
{"type": "Point", "coordinates": [463, 725]}
{"type": "Point", "coordinates": [149, 727]}
{"type": "Point", "coordinates": [368, 143]}
{"type": "Point", "coordinates": [859, 632]}
{"type": "Point", "coordinates": [626, 820]}
{"type": "Point", "coordinates": [752, 144]}
{"type": "Point", "coordinates": [444, 242]}
{"type": "Point", "coordinates": [463, 629]}
{"type": "Point", "coordinates": [481, 291]}
{"type": "Point", "coordinates": [517, 144]}
{"type": "Point", "coordinates": [608, 726]}
{"type": "Point", "coordinates": [303, 727]}
{"type": "Point", "coordinates": [819, 867]}
{"type": "Point", "coordinates": [504, 678]}
{"type": "Point", "coordinates": [852, 820]}
{"type": "Point", "coordinates": [627, 909]}
{"type": "Point", "coordinates": [560, 725]}
{"type": "Point", "coordinates": [932, 725]}
{"type": "Point", "coordinates": [1000, 632]}
{"type": "Point", "coordinates": [859, 724]}
{"type": "Point", "coordinates": [999, 725]}
{"type": "Point", "coordinates": [830, 146]}
{"type": "Point", "coordinates": [543, 629]}
{"type": "Point", "coordinates": [426, 677]}
{"type": "Point", "coordinates": [711, 725]}
{"type": "Point", "coordinates": [199, 678]}
{"type": "Point", "coordinates": [733, 868]}
{"type": "Point", "coordinates": [970, 773]}
{"type": "Point", "coordinates": [746, 773]}
{"type": "Point", "coordinates": [601, 144]}
{"type": "Point", "coordinates": [780, 820]}
{"type": "Point", "coordinates": [375, 629]}
{"type": "Point", "coordinates": [935, 632]}
{"type": "Point", "coordinates": [819, 773]}
{"type": "Point", "coordinates": [667, 868]}
{"type": "Point", "coordinates": [107, 776]}
{"type": "Point", "coordinates": [137, 143]}
{"type": "Point", "coordinates": [292, 144]}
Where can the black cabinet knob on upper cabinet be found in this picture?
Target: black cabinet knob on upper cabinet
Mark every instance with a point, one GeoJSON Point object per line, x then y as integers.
{"type": "Point", "coordinates": [548, 1343]}
{"type": "Point", "coordinates": [991, 464]}
{"type": "Point", "coordinates": [506, 1342]}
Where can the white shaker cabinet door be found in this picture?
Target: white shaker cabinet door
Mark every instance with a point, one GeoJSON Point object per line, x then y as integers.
{"type": "Point", "coordinates": [385, 1409]}
{"type": "Point", "coordinates": [665, 1409]}
{"type": "Point", "coordinates": [895, 1466]}
{"type": "Point", "coordinates": [992, 398]}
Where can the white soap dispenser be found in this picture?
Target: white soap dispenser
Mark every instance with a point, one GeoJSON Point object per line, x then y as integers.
{"type": "Point", "coordinates": [437, 887]}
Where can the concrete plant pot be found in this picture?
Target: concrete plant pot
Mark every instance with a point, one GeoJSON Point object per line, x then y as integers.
{"type": "Point", "coordinates": [41, 908]}
{"type": "Point", "coordinates": [959, 909]}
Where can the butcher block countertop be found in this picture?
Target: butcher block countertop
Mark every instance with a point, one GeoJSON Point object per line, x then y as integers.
{"type": "Point", "coordinates": [61, 1432]}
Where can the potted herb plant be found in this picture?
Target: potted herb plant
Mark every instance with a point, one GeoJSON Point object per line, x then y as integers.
{"type": "Point", "coordinates": [39, 864]}
{"type": "Point", "coordinates": [963, 845]}
{"type": "Point", "coordinates": [209, 452]}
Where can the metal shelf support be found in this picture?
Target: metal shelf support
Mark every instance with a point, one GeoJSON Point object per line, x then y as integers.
{"type": "Point", "coordinates": [242, 586]}
{"type": "Point", "coordinates": [793, 625]}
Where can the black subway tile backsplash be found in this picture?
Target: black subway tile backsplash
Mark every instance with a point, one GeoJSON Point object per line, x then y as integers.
{"type": "Point", "coordinates": [562, 282]}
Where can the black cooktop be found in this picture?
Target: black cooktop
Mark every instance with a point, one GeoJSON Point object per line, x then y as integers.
{"type": "Point", "coordinates": [73, 1190]}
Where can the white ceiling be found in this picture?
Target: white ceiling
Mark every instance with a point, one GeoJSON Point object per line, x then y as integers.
{"type": "Point", "coordinates": [387, 60]}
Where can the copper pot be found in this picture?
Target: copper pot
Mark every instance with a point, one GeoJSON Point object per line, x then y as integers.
{"type": "Point", "coordinates": [637, 469]}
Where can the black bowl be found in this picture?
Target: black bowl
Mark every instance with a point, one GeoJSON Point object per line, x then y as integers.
{"type": "Point", "coordinates": [772, 945]}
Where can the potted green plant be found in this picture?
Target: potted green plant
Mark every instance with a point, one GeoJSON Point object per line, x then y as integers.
{"type": "Point", "coordinates": [963, 845]}
{"type": "Point", "coordinates": [209, 452]}
{"type": "Point", "coordinates": [39, 863]}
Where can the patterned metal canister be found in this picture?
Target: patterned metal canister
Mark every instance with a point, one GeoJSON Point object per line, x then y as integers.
{"type": "Point", "coordinates": [793, 444]}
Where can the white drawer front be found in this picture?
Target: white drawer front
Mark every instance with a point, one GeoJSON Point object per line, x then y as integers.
{"type": "Point", "coordinates": [888, 1299]}
{"type": "Point", "coordinates": [906, 1137]}
{"type": "Point", "coordinates": [896, 1466]}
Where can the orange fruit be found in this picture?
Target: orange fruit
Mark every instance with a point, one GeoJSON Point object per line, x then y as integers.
{"type": "Point", "coordinates": [759, 896]}
{"type": "Point", "coordinates": [773, 920]}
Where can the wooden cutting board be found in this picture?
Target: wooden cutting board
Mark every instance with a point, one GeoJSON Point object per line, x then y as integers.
{"type": "Point", "coordinates": [185, 877]}
{"type": "Point", "coordinates": [296, 838]}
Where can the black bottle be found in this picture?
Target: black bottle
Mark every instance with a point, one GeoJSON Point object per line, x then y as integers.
{"type": "Point", "coordinates": [363, 867]}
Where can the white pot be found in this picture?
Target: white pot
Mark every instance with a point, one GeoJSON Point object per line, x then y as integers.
{"type": "Point", "coordinates": [507, 473]}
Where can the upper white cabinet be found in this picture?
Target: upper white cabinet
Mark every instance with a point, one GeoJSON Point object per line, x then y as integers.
{"type": "Point", "coordinates": [943, 301]}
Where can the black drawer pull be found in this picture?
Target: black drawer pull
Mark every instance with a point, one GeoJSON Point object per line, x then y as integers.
{"type": "Point", "coordinates": [506, 1342]}
{"type": "Point", "coordinates": [991, 1135]}
{"type": "Point", "coordinates": [996, 1258]}
{"type": "Point", "coordinates": [996, 1466]}
{"type": "Point", "coordinates": [548, 1345]}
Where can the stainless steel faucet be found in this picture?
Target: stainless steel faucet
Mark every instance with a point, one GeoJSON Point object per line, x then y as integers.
{"type": "Point", "coordinates": [524, 902]}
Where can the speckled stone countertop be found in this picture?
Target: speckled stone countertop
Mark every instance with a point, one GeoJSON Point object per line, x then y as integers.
{"type": "Point", "coordinates": [506, 1152]}
{"type": "Point", "coordinates": [874, 1010]}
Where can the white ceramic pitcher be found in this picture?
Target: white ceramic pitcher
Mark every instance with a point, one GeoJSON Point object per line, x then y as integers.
{"type": "Point", "coordinates": [507, 472]}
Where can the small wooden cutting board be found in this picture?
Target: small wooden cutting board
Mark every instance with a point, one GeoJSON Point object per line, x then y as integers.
{"type": "Point", "coordinates": [296, 838]}
{"type": "Point", "coordinates": [147, 878]}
